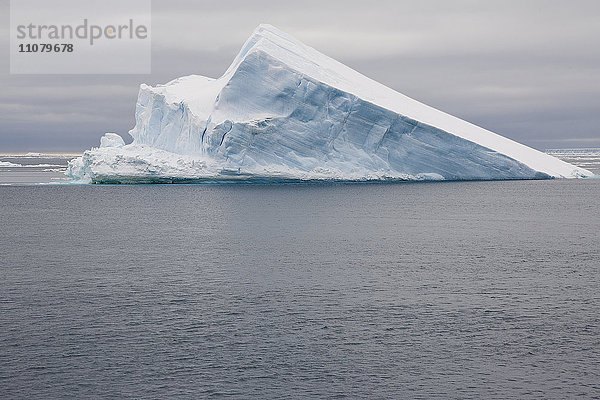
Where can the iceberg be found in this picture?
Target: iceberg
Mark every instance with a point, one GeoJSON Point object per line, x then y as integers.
{"type": "Point", "coordinates": [284, 111]}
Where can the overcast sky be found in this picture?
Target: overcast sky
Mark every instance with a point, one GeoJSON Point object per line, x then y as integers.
{"type": "Point", "coordinates": [526, 69]}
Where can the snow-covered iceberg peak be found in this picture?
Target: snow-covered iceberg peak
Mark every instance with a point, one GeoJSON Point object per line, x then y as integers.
{"type": "Point", "coordinates": [282, 110]}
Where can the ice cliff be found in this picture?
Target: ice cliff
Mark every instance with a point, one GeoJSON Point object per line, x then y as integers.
{"type": "Point", "coordinates": [285, 111]}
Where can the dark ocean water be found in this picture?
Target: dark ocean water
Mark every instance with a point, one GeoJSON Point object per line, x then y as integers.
{"type": "Point", "coordinates": [427, 290]}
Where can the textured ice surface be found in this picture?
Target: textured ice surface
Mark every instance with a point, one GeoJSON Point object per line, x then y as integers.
{"type": "Point", "coordinates": [111, 140]}
{"type": "Point", "coordinates": [285, 111]}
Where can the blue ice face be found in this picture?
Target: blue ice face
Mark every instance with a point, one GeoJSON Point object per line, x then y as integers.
{"type": "Point", "coordinates": [291, 120]}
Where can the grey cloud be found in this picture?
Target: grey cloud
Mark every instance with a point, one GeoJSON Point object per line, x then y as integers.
{"type": "Point", "coordinates": [528, 70]}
